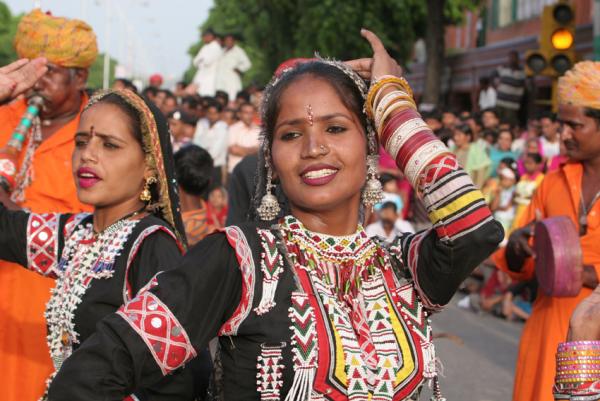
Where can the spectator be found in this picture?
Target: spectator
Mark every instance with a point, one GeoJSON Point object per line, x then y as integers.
{"type": "Point", "coordinates": [123, 83]}
{"type": "Point", "coordinates": [182, 126]}
{"type": "Point", "coordinates": [502, 149]}
{"type": "Point", "coordinates": [193, 167]}
{"type": "Point", "coordinates": [155, 81]}
{"type": "Point", "coordinates": [390, 192]}
{"type": "Point", "coordinates": [487, 94]}
{"type": "Point", "coordinates": [502, 205]}
{"type": "Point", "coordinates": [449, 120]}
{"type": "Point", "coordinates": [527, 184]}
{"type": "Point", "coordinates": [532, 145]}
{"type": "Point", "coordinates": [149, 93]}
{"type": "Point", "coordinates": [180, 89]}
{"type": "Point", "coordinates": [229, 116]}
{"type": "Point", "coordinates": [211, 134]}
{"type": "Point", "coordinates": [511, 88]}
{"type": "Point", "coordinates": [471, 155]}
{"type": "Point", "coordinates": [222, 97]}
{"type": "Point", "coordinates": [232, 65]}
{"type": "Point", "coordinates": [191, 105]}
{"type": "Point", "coordinates": [489, 137]}
{"type": "Point", "coordinates": [549, 141]}
{"type": "Point", "coordinates": [243, 136]}
{"type": "Point", "coordinates": [217, 207]}
{"type": "Point", "coordinates": [206, 62]}
{"type": "Point", "coordinates": [489, 119]}
{"type": "Point", "coordinates": [168, 103]}
{"type": "Point", "coordinates": [241, 98]}
{"type": "Point", "coordinates": [388, 226]}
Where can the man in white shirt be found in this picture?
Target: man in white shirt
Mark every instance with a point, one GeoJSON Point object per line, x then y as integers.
{"type": "Point", "coordinates": [207, 63]}
{"type": "Point", "coordinates": [487, 94]}
{"type": "Point", "coordinates": [389, 226]}
{"type": "Point", "coordinates": [211, 134]}
{"type": "Point", "coordinates": [233, 63]}
{"type": "Point", "coordinates": [243, 136]}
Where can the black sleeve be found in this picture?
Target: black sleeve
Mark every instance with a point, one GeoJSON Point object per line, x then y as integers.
{"type": "Point", "coordinates": [13, 235]}
{"type": "Point", "coordinates": [158, 252]}
{"type": "Point", "coordinates": [202, 293]}
{"type": "Point", "coordinates": [442, 266]}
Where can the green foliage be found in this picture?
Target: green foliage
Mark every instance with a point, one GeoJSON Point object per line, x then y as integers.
{"type": "Point", "coordinates": [276, 30]}
{"type": "Point", "coordinates": [8, 28]}
{"type": "Point", "coordinates": [97, 72]}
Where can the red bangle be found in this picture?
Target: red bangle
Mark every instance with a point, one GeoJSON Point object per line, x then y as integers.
{"type": "Point", "coordinates": [412, 145]}
{"type": "Point", "coordinates": [394, 122]}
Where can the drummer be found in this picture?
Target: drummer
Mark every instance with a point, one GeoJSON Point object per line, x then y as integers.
{"type": "Point", "coordinates": [571, 191]}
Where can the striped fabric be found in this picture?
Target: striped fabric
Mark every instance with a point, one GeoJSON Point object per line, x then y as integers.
{"type": "Point", "coordinates": [454, 205]}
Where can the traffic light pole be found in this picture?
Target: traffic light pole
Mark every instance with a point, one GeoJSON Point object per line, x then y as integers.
{"type": "Point", "coordinates": [597, 30]}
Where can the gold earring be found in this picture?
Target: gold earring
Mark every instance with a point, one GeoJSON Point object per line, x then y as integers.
{"type": "Point", "coordinates": [146, 195]}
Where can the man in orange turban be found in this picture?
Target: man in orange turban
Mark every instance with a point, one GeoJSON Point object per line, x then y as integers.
{"type": "Point", "coordinates": [69, 46]}
{"type": "Point", "coordinates": [573, 191]}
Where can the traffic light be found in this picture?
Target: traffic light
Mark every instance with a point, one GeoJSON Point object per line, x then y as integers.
{"type": "Point", "coordinates": [556, 53]}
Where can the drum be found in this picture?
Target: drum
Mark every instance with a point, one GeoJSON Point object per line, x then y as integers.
{"type": "Point", "coordinates": [558, 263]}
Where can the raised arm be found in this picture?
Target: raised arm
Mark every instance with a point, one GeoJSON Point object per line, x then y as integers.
{"type": "Point", "coordinates": [161, 329]}
{"type": "Point", "coordinates": [464, 232]}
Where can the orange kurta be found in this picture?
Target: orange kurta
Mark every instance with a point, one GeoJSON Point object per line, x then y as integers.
{"type": "Point", "coordinates": [24, 355]}
{"type": "Point", "coordinates": [558, 195]}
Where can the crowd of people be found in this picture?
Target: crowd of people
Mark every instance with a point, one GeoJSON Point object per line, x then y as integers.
{"type": "Point", "coordinates": [221, 228]}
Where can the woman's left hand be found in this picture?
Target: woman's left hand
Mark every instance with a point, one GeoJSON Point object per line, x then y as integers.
{"type": "Point", "coordinates": [380, 64]}
{"type": "Point", "coordinates": [585, 321]}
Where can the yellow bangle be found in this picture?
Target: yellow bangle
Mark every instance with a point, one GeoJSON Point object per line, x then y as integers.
{"type": "Point", "coordinates": [378, 84]}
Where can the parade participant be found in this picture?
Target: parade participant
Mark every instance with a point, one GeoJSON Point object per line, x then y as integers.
{"type": "Point", "coordinates": [101, 260]}
{"type": "Point", "coordinates": [571, 191]}
{"type": "Point", "coordinates": [310, 308]}
{"type": "Point", "coordinates": [193, 168]}
{"type": "Point", "coordinates": [206, 61]}
{"type": "Point", "coordinates": [233, 63]}
{"type": "Point", "coordinates": [43, 184]}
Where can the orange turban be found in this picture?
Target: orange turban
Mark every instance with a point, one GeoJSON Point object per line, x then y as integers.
{"type": "Point", "coordinates": [580, 86]}
{"type": "Point", "coordinates": [64, 42]}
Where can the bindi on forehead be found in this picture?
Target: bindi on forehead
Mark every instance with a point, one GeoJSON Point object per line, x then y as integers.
{"type": "Point", "coordinates": [310, 114]}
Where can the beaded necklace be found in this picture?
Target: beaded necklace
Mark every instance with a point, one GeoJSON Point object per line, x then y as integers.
{"type": "Point", "coordinates": [346, 272]}
{"type": "Point", "coordinates": [86, 256]}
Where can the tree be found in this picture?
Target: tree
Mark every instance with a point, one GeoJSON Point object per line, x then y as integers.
{"type": "Point", "coordinates": [276, 30]}
{"type": "Point", "coordinates": [440, 13]}
{"type": "Point", "coordinates": [96, 72]}
{"type": "Point", "coordinates": [8, 28]}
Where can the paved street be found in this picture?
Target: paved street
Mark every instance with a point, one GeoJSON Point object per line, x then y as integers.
{"type": "Point", "coordinates": [478, 355]}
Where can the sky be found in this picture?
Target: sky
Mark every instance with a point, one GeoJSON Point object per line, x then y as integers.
{"type": "Point", "coordinates": [146, 36]}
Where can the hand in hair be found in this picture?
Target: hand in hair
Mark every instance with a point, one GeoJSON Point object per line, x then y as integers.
{"type": "Point", "coordinates": [19, 76]}
{"type": "Point", "coordinates": [380, 64]}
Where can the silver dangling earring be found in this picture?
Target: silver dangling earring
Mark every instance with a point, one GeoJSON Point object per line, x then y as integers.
{"type": "Point", "coordinates": [269, 206]}
{"type": "Point", "coordinates": [373, 192]}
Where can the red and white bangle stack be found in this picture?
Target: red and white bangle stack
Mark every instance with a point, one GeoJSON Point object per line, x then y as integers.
{"type": "Point", "coordinates": [577, 371]}
{"type": "Point", "coordinates": [401, 130]}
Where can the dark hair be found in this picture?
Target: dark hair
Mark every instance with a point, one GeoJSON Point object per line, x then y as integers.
{"type": "Point", "coordinates": [485, 80]}
{"type": "Point", "coordinates": [130, 112]}
{"type": "Point", "coordinates": [244, 95]}
{"type": "Point", "coordinates": [465, 129]}
{"type": "Point", "coordinates": [343, 85]}
{"type": "Point", "coordinates": [215, 104]}
{"type": "Point", "coordinates": [489, 110]}
{"type": "Point", "coordinates": [222, 95]}
{"type": "Point", "coordinates": [191, 100]}
{"type": "Point", "coordinates": [549, 115]}
{"type": "Point", "coordinates": [536, 157]}
{"type": "Point", "coordinates": [385, 178]}
{"type": "Point", "coordinates": [489, 132]}
{"type": "Point", "coordinates": [149, 90]}
{"type": "Point", "coordinates": [389, 205]}
{"type": "Point", "coordinates": [193, 168]}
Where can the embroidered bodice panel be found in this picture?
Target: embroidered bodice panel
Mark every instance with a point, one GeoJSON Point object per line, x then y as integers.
{"type": "Point", "coordinates": [358, 331]}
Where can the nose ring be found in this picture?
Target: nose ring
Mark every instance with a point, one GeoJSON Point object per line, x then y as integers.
{"type": "Point", "coordinates": [323, 148]}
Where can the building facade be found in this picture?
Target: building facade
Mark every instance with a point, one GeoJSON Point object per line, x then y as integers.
{"type": "Point", "coordinates": [483, 41]}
